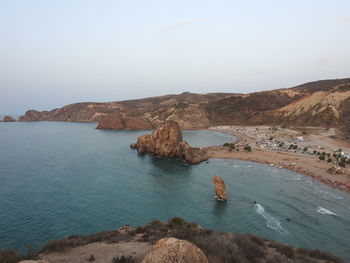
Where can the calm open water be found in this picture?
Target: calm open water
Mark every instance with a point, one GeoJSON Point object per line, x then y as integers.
{"type": "Point", "coordinates": [59, 179]}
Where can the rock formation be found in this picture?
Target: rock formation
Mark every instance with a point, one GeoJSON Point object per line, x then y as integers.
{"type": "Point", "coordinates": [124, 123]}
{"type": "Point", "coordinates": [8, 119]}
{"type": "Point", "coordinates": [171, 249]}
{"type": "Point", "coordinates": [166, 141]}
{"type": "Point", "coordinates": [220, 188]}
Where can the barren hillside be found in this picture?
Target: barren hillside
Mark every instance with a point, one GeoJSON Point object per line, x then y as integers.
{"type": "Point", "coordinates": [320, 103]}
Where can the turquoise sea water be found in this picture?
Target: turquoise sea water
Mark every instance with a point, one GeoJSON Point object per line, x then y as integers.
{"type": "Point", "coordinates": [59, 179]}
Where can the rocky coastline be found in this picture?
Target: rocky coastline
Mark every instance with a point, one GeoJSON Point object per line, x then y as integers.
{"type": "Point", "coordinates": [276, 152]}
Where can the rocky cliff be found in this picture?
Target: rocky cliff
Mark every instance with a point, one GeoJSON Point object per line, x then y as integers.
{"type": "Point", "coordinates": [166, 141]}
{"type": "Point", "coordinates": [319, 103]}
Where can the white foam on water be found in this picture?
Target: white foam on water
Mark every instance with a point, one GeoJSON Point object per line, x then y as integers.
{"type": "Point", "coordinates": [325, 211]}
{"type": "Point", "coordinates": [295, 179]}
{"type": "Point", "coordinates": [219, 199]}
{"type": "Point", "coordinates": [271, 222]}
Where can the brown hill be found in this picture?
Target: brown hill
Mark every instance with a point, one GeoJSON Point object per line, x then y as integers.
{"type": "Point", "coordinates": [321, 108]}
{"type": "Point", "coordinates": [345, 116]}
{"type": "Point", "coordinates": [246, 109]}
{"type": "Point", "coordinates": [319, 85]}
{"type": "Point", "coordinates": [320, 103]}
{"type": "Point", "coordinates": [184, 108]}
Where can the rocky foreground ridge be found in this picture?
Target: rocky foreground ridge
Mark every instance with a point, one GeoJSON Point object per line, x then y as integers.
{"type": "Point", "coordinates": [323, 103]}
{"type": "Point", "coordinates": [173, 241]}
{"type": "Point", "coordinates": [166, 141]}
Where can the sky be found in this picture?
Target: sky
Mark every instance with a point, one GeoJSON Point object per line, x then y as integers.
{"type": "Point", "coordinates": [54, 53]}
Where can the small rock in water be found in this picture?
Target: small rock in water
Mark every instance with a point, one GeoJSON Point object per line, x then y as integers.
{"type": "Point", "coordinates": [220, 188]}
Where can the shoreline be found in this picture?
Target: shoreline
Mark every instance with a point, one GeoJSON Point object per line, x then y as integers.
{"type": "Point", "coordinates": [299, 163]}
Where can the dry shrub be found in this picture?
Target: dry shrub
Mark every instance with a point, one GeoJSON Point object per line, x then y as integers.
{"type": "Point", "coordinates": [124, 259]}
{"type": "Point", "coordinates": [10, 256]}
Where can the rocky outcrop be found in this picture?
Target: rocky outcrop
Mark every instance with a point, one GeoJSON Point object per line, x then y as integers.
{"type": "Point", "coordinates": [125, 123]}
{"type": "Point", "coordinates": [9, 119]}
{"type": "Point", "coordinates": [171, 249]}
{"type": "Point", "coordinates": [220, 188]}
{"type": "Point", "coordinates": [166, 141]}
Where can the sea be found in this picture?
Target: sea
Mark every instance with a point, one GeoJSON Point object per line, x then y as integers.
{"type": "Point", "coordinates": [59, 178]}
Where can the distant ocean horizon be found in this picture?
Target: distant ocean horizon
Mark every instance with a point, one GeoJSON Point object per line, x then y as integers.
{"type": "Point", "coordinates": [60, 178]}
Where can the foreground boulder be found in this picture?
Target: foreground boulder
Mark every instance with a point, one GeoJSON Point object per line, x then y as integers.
{"type": "Point", "coordinates": [220, 188]}
{"type": "Point", "coordinates": [124, 123]}
{"type": "Point", "coordinates": [175, 250]}
{"type": "Point", "coordinates": [9, 119]}
{"type": "Point", "coordinates": [166, 141]}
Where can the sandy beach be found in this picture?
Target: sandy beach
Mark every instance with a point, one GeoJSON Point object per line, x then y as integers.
{"type": "Point", "coordinates": [271, 145]}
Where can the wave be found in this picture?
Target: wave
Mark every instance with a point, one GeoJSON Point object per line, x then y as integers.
{"type": "Point", "coordinates": [271, 222]}
{"type": "Point", "coordinates": [324, 211]}
{"type": "Point", "coordinates": [295, 179]}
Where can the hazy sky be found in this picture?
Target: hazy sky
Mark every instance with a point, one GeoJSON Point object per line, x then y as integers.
{"type": "Point", "coordinates": [57, 52]}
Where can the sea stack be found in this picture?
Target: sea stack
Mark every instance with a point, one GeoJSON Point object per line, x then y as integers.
{"type": "Point", "coordinates": [166, 141]}
{"type": "Point", "coordinates": [9, 119]}
{"type": "Point", "coordinates": [220, 188]}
